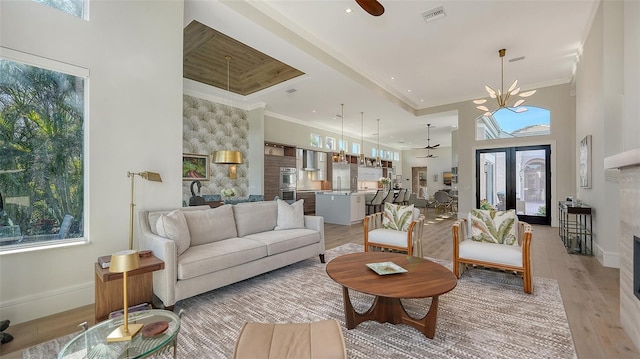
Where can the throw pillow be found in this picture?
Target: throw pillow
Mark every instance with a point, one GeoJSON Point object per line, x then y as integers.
{"type": "Point", "coordinates": [173, 225]}
{"type": "Point", "coordinates": [494, 226]}
{"type": "Point", "coordinates": [290, 216]}
{"type": "Point", "coordinates": [397, 217]}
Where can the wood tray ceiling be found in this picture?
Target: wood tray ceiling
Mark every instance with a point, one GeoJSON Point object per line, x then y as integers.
{"type": "Point", "coordinates": [249, 69]}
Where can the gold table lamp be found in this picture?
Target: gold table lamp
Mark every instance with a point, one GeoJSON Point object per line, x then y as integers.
{"type": "Point", "coordinates": [123, 262]}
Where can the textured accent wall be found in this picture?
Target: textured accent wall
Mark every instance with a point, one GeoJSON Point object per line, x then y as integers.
{"type": "Point", "coordinates": [207, 127]}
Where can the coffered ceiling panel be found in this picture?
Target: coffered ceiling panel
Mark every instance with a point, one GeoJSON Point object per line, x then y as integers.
{"type": "Point", "coordinates": [249, 70]}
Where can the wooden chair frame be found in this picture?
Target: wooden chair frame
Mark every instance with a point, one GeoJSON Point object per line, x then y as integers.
{"type": "Point", "coordinates": [414, 233]}
{"type": "Point", "coordinates": [525, 234]}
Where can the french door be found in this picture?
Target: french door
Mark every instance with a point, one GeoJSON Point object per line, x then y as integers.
{"type": "Point", "coordinates": [516, 178]}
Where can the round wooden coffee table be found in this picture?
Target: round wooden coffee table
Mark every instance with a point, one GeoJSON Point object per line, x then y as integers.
{"type": "Point", "coordinates": [423, 279]}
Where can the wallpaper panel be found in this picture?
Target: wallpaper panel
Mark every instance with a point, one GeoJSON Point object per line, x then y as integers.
{"type": "Point", "coordinates": [207, 127]}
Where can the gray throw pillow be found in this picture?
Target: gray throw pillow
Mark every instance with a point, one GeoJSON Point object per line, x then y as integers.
{"type": "Point", "coordinates": [173, 225]}
{"type": "Point", "coordinates": [290, 216]}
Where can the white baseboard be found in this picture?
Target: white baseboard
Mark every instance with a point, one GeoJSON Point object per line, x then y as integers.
{"type": "Point", "coordinates": [40, 305]}
{"type": "Point", "coordinates": [607, 259]}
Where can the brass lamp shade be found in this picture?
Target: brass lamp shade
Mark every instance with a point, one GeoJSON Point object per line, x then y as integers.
{"type": "Point", "coordinates": [151, 176]}
{"type": "Point", "coordinates": [227, 157]}
{"type": "Point", "coordinates": [123, 262]}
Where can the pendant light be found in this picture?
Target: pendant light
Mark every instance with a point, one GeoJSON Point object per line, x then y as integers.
{"type": "Point", "coordinates": [228, 157]}
{"type": "Point", "coordinates": [362, 161]}
{"type": "Point", "coordinates": [378, 161]}
{"type": "Point", "coordinates": [501, 96]}
{"type": "Point", "coordinates": [342, 158]}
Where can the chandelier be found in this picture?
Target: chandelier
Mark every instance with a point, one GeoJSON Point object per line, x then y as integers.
{"type": "Point", "coordinates": [501, 96]}
{"type": "Point", "coordinates": [342, 158]}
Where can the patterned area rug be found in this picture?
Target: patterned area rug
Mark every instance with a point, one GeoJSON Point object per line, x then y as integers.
{"type": "Point", "coordinates": [486, 316]}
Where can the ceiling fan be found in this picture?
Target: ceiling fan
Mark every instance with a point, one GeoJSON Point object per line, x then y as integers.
{"type": "Point", "coordinates": [373, 7]}
{"type": "Point", "coordinates": [429, 147]}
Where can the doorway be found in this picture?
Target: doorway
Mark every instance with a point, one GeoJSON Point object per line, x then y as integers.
{"type": "Point", "coordinates": [419, 182]}
{"type": "Point", "coordinates": [516, 178]}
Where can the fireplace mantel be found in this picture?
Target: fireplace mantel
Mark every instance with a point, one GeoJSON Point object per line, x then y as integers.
{"type": "Point", "coordinates": [623, 159]}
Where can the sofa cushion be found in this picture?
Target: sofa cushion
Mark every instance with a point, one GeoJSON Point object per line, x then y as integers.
{"type": "Point", "coordinates": [286, 240]}
{"type": "Point", "coordinates": [290, 216]}
{"type": "Point", "coordinates": [211, 225]}
{"type": "Point", "coordinates": [397, 217]}
{"type": "Point", "coordinates": [491, 252]}
{"type": "Point", "coordinates": [173, 225]}
{"type": "Point", "coordinates": [255, 217]}
{"type": "Point", "coordinates": [219, 255]}
{"type": "Point", "coordinates": [494, 226]}
{"type": "Point", "coordinates": [152, 217]}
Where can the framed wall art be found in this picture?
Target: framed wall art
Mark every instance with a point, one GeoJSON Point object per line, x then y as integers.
{"type": "Point", "coordinates": [585, 162]}
{"type": "Point", "coordinates": [195, 167]}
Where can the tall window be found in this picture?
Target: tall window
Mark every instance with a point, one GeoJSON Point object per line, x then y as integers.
{"type": "Point", "coordinates": [343, 145]}
{"type": "Point", "coordinates": [316, 141]}
{"type": "Point", "coordinates": [355, 148]}
{"type": "Point", "coordinates": [41, 155]}
{"type": "Point", "coordinates": [72, 7]}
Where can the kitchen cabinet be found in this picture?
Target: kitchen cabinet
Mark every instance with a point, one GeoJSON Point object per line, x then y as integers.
{"type": "Point", "coordinates": [369, 173]}
{"type": "Point", "coordinates": [340, 207]}
{"type": "Point", "coordinates": [309, 201]}
{"type": "Point", "coordinates": [357, 207]}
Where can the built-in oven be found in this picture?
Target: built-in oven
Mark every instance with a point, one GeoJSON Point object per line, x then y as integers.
{"type": "Point", "coordinates": [288, 177]}
{"type": "Point", "coordinates": [288, 195]}
{"type": "Point", "coordinates": [288, 184]}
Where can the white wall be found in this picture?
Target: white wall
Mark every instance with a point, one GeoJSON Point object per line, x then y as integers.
{"type": "Point", "coordinates": [561, 103]}
{"type": "Point", "coordinates": [435, 166]}
{"type": "Point", "coordinates": [133, 50]}
{"type": "Point", "coordinates": [599, 99]}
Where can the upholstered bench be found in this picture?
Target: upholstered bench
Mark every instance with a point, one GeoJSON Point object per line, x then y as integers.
{"type": "Point", "coordinates": [321, 339]}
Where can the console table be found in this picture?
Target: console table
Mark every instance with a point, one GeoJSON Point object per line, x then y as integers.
{"type": "Point", "coordinates": [575, 225]}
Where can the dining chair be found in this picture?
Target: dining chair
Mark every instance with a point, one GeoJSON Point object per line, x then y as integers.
{"type": "Point", "coordinates": [399, 198]}
{"type": "Point", "coordinates": [443, 202]}
{"type": "Point", "coordinates": [375, 202]}
{"type": "Point", "coordinates": [407, 195]}
{"type": "Point", "coordinates": [388, 198]}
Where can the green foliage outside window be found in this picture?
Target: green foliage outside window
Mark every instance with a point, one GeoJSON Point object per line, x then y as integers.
{"type": "Point", "coordinates": [41, 148]}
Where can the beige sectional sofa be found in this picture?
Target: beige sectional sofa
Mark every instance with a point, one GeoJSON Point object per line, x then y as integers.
{"type": "Point", "coordinates": [204, 248]}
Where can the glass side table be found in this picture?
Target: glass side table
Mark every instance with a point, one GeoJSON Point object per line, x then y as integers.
{"type": "Point", "coordinates": [92, 343]}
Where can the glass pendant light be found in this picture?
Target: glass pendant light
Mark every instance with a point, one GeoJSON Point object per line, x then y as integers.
{"type": "Point", "coordinates": [378, 161]}
{"type": "Point", "coordinates": [342, 158]}
{"type": "Point", "coordinates": [362, 162]}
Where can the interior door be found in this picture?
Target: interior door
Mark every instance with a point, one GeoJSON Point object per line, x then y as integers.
{"type": "Point", "coordinates": [516, 178]}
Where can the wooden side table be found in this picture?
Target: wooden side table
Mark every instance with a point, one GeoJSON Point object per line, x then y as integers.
{"type": "Point", "coordinates": [109, 295]}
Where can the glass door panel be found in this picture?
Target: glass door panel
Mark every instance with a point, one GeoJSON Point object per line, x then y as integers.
{"type": "Point", "coordinates": [516, 178]}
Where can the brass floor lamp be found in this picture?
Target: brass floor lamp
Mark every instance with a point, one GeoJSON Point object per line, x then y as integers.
{"type": "Point", "coordinates": [149, 176]}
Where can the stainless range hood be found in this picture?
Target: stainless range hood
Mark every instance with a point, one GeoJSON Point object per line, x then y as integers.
{"type": "Point", "coordinates": [309, 160]}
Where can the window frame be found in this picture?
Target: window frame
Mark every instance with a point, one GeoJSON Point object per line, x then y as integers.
{"type": "Point", "coordinates": [77, 71]}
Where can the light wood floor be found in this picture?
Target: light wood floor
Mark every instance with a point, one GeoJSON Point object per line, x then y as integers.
{"type": "Point", "coordinates": [590, 293]}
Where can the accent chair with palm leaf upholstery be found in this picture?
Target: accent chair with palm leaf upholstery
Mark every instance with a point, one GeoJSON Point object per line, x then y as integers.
{"type": "Point", "coordinates": [493, 239]}
{"type": "Point", "coordinates": [396, 228]}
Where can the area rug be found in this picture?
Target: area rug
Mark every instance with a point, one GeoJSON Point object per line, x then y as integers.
{"type": "Point", "coordinates": [487, 315]}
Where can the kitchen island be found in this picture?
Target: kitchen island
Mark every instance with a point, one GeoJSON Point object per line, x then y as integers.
{"type": "Point", "coordinates": [340, 207]}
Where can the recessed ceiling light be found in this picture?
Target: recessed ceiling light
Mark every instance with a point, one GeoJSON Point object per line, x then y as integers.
{"type": "Point", "coordinates": [348, 11]}
{"type": "Point", "coordinates": [393, 78]}
{"type": "Point", "coordinates": [408, 90]}
{"type": "Point", "coordinates": [314, 111]}
{"type": "Point", "coordinates": [422, 100]}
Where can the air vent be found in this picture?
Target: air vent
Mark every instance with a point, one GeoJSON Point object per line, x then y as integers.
{"type": "Point", "coordinates": [517, 59]}
{"type": "Point", "coordinates": [292, 90]}
{"type": "Point", "coordinates": [433, 14]}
